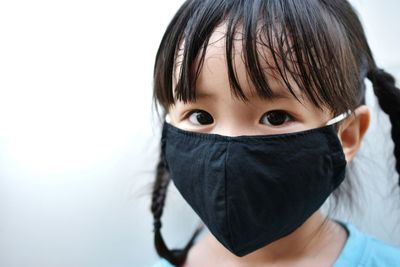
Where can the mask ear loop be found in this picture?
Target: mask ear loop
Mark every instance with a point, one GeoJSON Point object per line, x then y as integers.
{"type": "Point", "coordinates": [339, 118]}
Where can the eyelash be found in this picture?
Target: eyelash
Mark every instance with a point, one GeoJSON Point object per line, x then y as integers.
{"type": "Point", "coordinates": [289, 118]}
{"type": "Point", "coordinates": [191, 112]}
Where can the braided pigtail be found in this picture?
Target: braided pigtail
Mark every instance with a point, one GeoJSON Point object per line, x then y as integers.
{"type": "Point", "coordinates": [389, 100]}
{"type": "Point", "coordinates": [175, 257]}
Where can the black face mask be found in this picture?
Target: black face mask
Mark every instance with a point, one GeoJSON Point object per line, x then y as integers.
{"type": "Point", "coordinates": [253, 190]}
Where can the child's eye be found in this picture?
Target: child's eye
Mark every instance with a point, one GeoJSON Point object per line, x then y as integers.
{"type": "Point", "coordinates": [275, 118]}
{"type": "Point", "coordinates": [200, 117]}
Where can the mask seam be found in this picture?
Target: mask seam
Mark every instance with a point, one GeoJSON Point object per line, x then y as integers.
{"type": "Point", "coordinates": [226, 195]}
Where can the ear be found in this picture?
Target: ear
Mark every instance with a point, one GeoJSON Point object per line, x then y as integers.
{"type": "Point", "coordinates": [352, 130]}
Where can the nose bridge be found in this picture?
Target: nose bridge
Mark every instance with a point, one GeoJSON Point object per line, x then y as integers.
{"type": "Point", "coordinates": [228, 130]}
{"type": "Point", "coordinates": [234, 127]}
{"type": "Point", "coordinates": [235, 118]}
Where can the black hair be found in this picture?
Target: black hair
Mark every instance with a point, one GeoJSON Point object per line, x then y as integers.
{"type": "Point", "coordinates": [320, 44]}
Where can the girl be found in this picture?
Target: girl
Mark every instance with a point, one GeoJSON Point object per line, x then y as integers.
{"type": "Point", "coordinates": [264, 107]}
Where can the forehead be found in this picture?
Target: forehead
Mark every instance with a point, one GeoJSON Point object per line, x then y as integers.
{"type": "Point", "coordinates": [214, 74]}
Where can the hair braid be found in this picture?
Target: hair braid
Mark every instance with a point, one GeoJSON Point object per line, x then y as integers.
{"type": "Point", "coordinates": [176, 257]}
{"type": "Point", "coordinates": [389, 100]}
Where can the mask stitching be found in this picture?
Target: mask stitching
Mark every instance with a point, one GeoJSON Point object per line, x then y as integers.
{"type": "Point", "coordinates": [226, 195]}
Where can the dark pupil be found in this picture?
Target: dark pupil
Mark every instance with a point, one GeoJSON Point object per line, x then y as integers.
{"type": "Point", "coordinates": [204, 118]}
{"type": "Point", "coordinates": [276, 118]}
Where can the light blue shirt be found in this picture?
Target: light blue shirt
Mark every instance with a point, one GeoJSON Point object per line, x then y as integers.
{"type": "Point", "coordinates": [360, 250]}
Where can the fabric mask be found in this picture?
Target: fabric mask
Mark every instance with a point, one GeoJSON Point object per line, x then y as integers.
{"type": "Point", "coordinates": [252, 190]}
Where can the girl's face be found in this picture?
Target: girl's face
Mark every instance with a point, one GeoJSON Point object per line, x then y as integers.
{"type": "Point", "coordinates": [216, 110]}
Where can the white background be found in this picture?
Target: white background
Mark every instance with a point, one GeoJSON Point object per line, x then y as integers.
{"type": "Point", "coordinates": [79, 141]}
